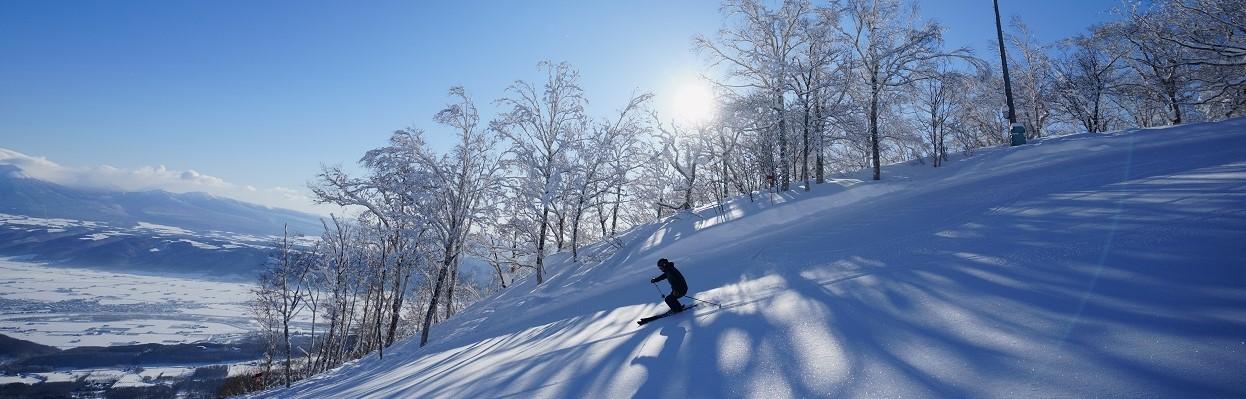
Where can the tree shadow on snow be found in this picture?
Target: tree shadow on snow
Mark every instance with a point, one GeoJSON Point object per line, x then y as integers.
{"type": "Point", "coordinates": [656, 367]}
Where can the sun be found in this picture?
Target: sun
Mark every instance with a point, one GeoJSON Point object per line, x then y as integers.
{"type": "Point", "coordinates": [692, 101]}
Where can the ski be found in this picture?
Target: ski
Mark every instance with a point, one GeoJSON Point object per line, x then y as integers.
{"type": "Point", "coordinates": [668, 313]}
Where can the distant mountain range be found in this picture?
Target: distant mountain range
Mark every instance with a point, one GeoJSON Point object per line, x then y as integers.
{"type": "Point", "coordinates": [22, 195]}
{"type": "Point", "coordinates": [158, 231]}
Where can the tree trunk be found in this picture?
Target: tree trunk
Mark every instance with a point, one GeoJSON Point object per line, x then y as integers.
{"type": "Point", "coordinates": [311, 346]}
{"type": "Point", "coordinates": [562, 235]}
{"type": "Point", "coordinates": [454, 280]}
{"type": "Point", "coordinates": [380, 307]}
{"type": "Point", "coordinates": [819, 134]}
{"type": "Point", "coordinates": [285, 326]}
{"type": "Point", "coordinates": [601, 214]}
{"type": "Point", "coordinates": [1094, 117]}
{"type": "Point", "coordinates": [614, 212]}
{"type": "Point", "coordinates": [395, 309]}
{"type": "Point", "coordinates": [1174, 106]}
{"type": "Point", "coordinates": [575, 229]}
{"type": "Point", "coordinates": [934, 135]}
{"type": "Point", "coordinates": [658, 206]}
{"type": "Point", "coordinates": [432, 302]}
{"type": "Point", "coordinates": [804, 154]}
{"type": "Point", "coordinates": [692, 182]}
{"type": "Point", "coordinates": [348, 319]}
{"type": "Point", "coordinates": [326, 344]}
{"type": "Point", "coordinates": [783, 161]}
{"type": "Point", "coordinates": [1037, 119]}
{"type": "Point", "coordinates": [497, 266]}
{"type": "Point", "coordinates": [874, 151]}
{"type": "Point", "coordinates": [540, 246]}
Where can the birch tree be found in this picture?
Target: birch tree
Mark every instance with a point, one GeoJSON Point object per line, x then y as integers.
{"type": "Point", "coordinates": [935, 102]}
{"type": "Point", "coordinates": [758, 54]}
{"type": "Point", "coordinates": [889, 51]}
{"type": "Point", "coordinates": [281, 292]}
{"type": "Point", "coordinates": [593, 177]}
{"type": "Point", "coordinates": [1086, 77]}
{"type": "Point", "coordinates": [1033, 79]}
{"type": "Point", "coordinates": [813, 79]}
{"type": "Point", "coordinates": [542, 125]}
{"type": "Point", "coordinates": [465, 179]}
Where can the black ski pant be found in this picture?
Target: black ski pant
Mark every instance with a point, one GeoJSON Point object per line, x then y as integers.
{"type": "Point", "coordinates": [672, 300]}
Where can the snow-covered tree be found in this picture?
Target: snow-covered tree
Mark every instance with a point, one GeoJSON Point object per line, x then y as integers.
{"type": "Point", "coordinates": [466, 178]}
{"type": "Point", "coordinates": [759, 52]}
{"type": "Point", "coordinates": [280, 295]}
{"type": "Point", "coordinates": [336, 269]}
{"type": "Point", "coordinates": [1032, 78]}
{"type": "Point", "coordinates": [683, 150]}
{"type": "Point", "coordinates": [981, 117]}
{"type": "Point", "coordinates": [889, 52]}
{"type": "Point", "coordinates": [543, 125]}
{"type": "Point", "coordinates": [814, 79]}
{"type": "Point", "coordinates": [935, 105]}
{"type": "Point", "coordinates": [595, 169]}
{"type": "Point", "coordinates": [1188, 53]}
{"type": "Point", "coordinates": [1087, 77]}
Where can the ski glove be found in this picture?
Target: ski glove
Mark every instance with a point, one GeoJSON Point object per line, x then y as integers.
{"type": "Point", "coordinates": [653, 280]}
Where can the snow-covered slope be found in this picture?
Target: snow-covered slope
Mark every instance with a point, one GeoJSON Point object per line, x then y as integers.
{"type": "Point", "coordinates": [1082, 266]}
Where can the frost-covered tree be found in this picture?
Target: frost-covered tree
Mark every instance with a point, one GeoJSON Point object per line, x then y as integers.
{"type": "Point", "coordinates": [981, 118]}
{"type": "Point", "coordinates": [935, 102]}
{"type": "Point", "coordinates": [594, 170]}
{"type": "Point", "coordinates": [336, 268]}
{"type": "Point", "coordinates": [1087, 77]}
{"type": "Point", "coordinates": [758, 52]}
{"type": "Point", "coordinates": [542, 124]}
{"type": "Point", "coordinates": [280, 295]}
{"type": "Point", "coordinates": [1214, 31]}
{"type": "Point", "coordinates": [396, 202]}
{"type": "Point", "coordinates": [1158, 70]}
{"type": "Point", "coordinates": [683, 150]}
{"type": "Point", "coordinates": [815, 78]}
{"type": "Point", "coordinates": [1033, 79]}
{"type": "Point", "coordinates": [1188, 52]}
{"type": "Point", "coordinates": [625, 157]}
{"type": "Point", "coordinates": [889, 52]}
{"type": "Point", "coordinates": [466, 178]}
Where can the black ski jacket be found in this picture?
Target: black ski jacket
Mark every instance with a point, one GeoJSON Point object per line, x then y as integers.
{"type": "Point", "coordinates": [676, 278]}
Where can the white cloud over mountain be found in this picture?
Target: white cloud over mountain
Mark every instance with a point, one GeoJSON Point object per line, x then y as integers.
{"type": "Point", "coordinates": [144, 178]}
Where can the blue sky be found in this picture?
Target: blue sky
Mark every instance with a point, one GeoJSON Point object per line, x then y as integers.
{"type": "Point", "coordinates": [260, 93]}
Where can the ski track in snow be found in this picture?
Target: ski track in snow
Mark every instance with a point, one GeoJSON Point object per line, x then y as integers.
{"type": "Point", "coordinates": [1090, 265]}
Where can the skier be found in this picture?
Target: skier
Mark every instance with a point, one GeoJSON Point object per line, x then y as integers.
{"type": "Point", "coordinates": [679, 287]}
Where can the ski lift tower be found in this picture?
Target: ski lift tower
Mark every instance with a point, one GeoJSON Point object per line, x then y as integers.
{"type": "Point", "coordinates": [1016, 130]}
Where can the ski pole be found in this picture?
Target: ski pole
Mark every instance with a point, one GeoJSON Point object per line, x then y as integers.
{"type": "Point", "coordinates": [655, 286]}
{"type": "Point", "coordinates": [711, 303]}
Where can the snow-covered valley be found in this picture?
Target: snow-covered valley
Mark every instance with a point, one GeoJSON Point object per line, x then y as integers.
{"type": "Point", "coordinates": [112, 333]}
{"type": "Point", "coordinates": [1092, 265]}
{"type": "Point", "coordinates": [66, 307]}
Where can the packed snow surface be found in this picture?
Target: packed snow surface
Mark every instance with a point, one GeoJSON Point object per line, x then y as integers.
{"type": "Point", "coordinates": [1093, 265]}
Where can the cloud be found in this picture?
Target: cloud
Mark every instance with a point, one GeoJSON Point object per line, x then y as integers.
{"type": "Point", "coordinates": [107, 177]}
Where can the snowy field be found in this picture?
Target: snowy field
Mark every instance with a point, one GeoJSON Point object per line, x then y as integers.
{"type": "Point", "coordinates": [67, 307]}
{"type": "Point", "coordinates": [1093, 265]}
{"type": "Point", "coordinates": [115, 378]}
